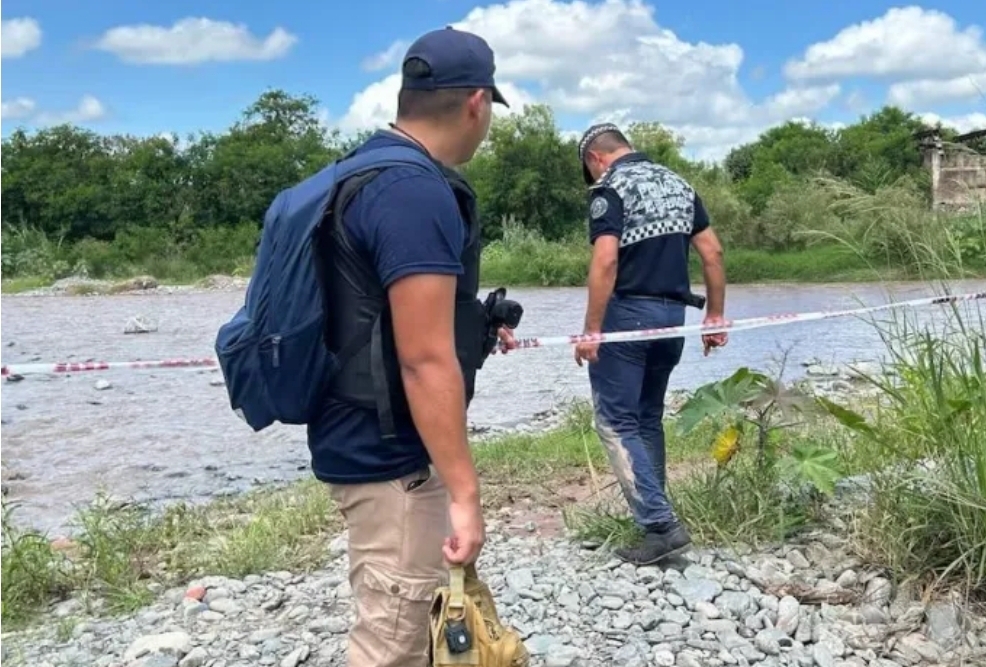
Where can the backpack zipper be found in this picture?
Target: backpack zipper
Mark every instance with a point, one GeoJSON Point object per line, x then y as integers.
{"type": "Point", "coordinates": [275, 343]}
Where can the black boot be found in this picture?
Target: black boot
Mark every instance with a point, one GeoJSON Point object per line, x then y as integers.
{"type": "Point", "coordinates": [657, 546]}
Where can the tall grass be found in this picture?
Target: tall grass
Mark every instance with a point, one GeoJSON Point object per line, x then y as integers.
{"type": "Point", "coordinates": [165, 254]}
{"type": "Point", "coordinates": [523, 257]}
{"type": "Point", "coordinates": [926, 444]}
{"type": "Point", "coordinates": [927, 518]}
{"type": "Point", "coordinates": [118, 549]}
{"type": "Point", "coordinates": [892, 227]}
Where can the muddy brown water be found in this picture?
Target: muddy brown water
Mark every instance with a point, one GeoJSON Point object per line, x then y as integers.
{"type": "Point", "coordinates": [169, 434]}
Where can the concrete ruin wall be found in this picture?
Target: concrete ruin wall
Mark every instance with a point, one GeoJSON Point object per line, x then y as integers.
{"type": "Point", "coordinates": [958, 176]}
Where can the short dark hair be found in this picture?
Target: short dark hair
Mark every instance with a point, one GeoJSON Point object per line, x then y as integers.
{"type": "Point", "coordinates": [609, 141]}
{"type": "Point", "coordinates": [428, 104]}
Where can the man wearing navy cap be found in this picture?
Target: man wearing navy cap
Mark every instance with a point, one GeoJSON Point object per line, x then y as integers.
{"type": "Point", "coordinates": [392, 440]}
{"type": "Point", "coordinates": [642, 219]}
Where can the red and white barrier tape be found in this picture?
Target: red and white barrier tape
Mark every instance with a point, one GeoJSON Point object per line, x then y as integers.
{"type": "Point", "coordinates": [535, 341]}
{"type": "Point", "coordinates": [81, 366]}
{"type": "Point", "coordinates": [735, 325]}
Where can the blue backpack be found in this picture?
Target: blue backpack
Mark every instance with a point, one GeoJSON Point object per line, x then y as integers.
{"type": "Point", "coordinates": [271, 352]}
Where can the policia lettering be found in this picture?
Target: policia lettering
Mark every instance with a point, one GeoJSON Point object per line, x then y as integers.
{"type": "Point", "coordinates": [370, 373]}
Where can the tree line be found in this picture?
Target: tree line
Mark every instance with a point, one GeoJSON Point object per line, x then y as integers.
{"type": "Point", "coordinates": [71, 186]}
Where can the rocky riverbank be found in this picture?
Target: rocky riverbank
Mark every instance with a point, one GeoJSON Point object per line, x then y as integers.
{"type": "Point", "coordinates": [84, 286]}
{"type": "Point", "coordinates": [807, 603]}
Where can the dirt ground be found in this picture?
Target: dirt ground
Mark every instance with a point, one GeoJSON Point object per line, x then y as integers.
{"type": "Point", "coordinates": [523, 510]}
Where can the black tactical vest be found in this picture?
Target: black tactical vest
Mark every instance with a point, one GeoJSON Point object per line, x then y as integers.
{"type": "Point", "coordinates": [358, 322]}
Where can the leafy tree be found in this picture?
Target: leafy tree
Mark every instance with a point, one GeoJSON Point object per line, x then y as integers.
{"type": "Point", "coordinates": [527, 170]}
{"type": "Point", "coordinates": [68, 185]}
{"type": "Point", "coordinates": [879, 149]}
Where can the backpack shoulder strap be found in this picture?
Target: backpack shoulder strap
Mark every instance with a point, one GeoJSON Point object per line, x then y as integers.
{"type": "Point", "coordinates": [380, 158]}
{"type": "Point", "coordinates": [354, 172]}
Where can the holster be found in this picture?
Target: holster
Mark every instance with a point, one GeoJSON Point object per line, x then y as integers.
{"type": "Point", "coordinates": [468, 603]}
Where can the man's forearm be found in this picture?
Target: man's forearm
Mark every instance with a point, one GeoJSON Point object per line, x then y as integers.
{"type": "Point", "coordinates": [602, 277]}
{"type": "Point", "coordinates": [714, 273]}
{"type": "Point", "coordinates": [436, 396]}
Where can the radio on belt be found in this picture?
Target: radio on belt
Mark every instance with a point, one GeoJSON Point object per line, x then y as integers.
{"type": "Point", "coordinates": [457, 636]}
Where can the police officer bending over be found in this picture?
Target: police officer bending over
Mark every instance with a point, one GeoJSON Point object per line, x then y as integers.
{"type": "Point", "coordinates": [642, 219]}
{"type": "Point", "coordinates": [391, 442]}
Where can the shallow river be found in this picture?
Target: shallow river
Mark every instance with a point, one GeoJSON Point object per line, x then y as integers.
{"type": "Point", "coordinates": [169, 434]}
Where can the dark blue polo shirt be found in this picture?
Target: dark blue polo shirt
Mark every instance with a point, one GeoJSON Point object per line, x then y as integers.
{"type": "Point", "coordinates": [407, 220]}
{"type": "Point", "coordinates": [658, 265]}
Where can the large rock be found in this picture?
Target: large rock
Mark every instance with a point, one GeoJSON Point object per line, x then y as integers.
{"type": "Point", "coordinates": [945, 626]}
{"type": "Point", "coordinates": [140, 324]}
{"type": "Point", "coordinates": [172, 643]}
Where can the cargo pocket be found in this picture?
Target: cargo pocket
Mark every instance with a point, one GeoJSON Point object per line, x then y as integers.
{"type": "Point", "coordinates": [396, 604]}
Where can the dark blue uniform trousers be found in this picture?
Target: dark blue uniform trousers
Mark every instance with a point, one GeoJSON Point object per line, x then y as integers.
{"type": "Point", "coordinates": [629, 383]}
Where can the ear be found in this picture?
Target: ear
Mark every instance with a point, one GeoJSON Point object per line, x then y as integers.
{"type": "Point", "coordinates": [476, 102]}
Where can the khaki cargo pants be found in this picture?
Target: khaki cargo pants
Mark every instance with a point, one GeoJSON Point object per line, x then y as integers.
{"type": "Point", "coordinates": [396, 533]}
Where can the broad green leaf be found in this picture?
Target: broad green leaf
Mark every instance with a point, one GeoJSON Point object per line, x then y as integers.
{"type": "Point", "coordinates": [817, 465]}
{"type": "Point", "coordinates": [715, 398]}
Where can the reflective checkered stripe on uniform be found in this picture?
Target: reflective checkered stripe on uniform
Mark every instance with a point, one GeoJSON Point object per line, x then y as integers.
{"type": "Point", "coordinates": [656, 201]}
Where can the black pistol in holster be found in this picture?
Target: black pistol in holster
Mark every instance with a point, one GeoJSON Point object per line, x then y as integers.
{"type": "Point", "coordinates": [500, 312]}
{"type": "Point", "coordinates": [694, 300]}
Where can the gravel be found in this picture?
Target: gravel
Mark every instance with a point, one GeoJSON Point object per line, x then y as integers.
{"type": "Point", "coordinates": [574, 607]}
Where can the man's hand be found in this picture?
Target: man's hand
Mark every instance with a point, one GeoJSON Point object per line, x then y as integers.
{"type": "Point", "coordinates": [506, 336]}
{"type": "Point", "coordinates": [468, 532]}
{"type": "Point", "coordinates": [710, 341]}
{"type": "Point", "coordinates": [588, 352]}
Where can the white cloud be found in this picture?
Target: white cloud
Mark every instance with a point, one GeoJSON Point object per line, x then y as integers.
{"type": "Point", "coordinates": [905, 43]}
{"type": "Point", "coordinates": [19, 108]}
{"type": "Point", "coordinates": [613, 60]}
{"type": "Point", "coordinates": [18, 36]}
{"type": "Point", "coordinates": [713, 143]}
{"type": "Point", "coordinates": [192, 41]}
{"type": "Point", "coordinates": [705, 142]}
{"type": "Point", "coordinates": [966, 123]}
{"type": "Point", "coordinates": [385, 59]}
{"type": "Point", "coordinates": [910, 94]}
{"type": "Point", "coordinates": [595, 58]}
{"type": "Point", "coordinates": [376, 105]}
{"type": "Point", "coordinates": [88, 109]}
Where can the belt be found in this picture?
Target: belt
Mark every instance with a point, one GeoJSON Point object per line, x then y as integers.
{"type": "Point", "coordinates": [693, 300]}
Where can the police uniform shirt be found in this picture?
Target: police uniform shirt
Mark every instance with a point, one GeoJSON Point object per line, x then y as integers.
{"type": "Point", "coordinates": [654, 213]}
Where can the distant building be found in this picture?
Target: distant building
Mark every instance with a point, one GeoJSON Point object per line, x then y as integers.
{"type": "Point", "coordinates": [958, 173]}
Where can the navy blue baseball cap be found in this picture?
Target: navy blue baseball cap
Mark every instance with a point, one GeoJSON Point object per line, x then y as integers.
{"type": "Point", "coordinates": [456, 59]}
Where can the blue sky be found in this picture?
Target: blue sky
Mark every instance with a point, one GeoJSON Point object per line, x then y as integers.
{"type": "Point", "coordinates": [706, 68]}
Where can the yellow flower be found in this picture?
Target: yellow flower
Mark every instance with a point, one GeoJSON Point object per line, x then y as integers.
{"type": "Point", "coordinates": [726, 445]}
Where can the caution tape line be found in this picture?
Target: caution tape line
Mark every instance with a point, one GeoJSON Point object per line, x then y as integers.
{"type": "Point", "coordinates": [532, 342]}
{"type": "Point", "coordinates": [736, 325]}
{"type": "Point", "coordinates": [84, 366]}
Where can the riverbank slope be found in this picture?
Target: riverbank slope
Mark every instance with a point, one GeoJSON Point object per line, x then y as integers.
{"type": "Point", "coordinates": [521, 263]}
